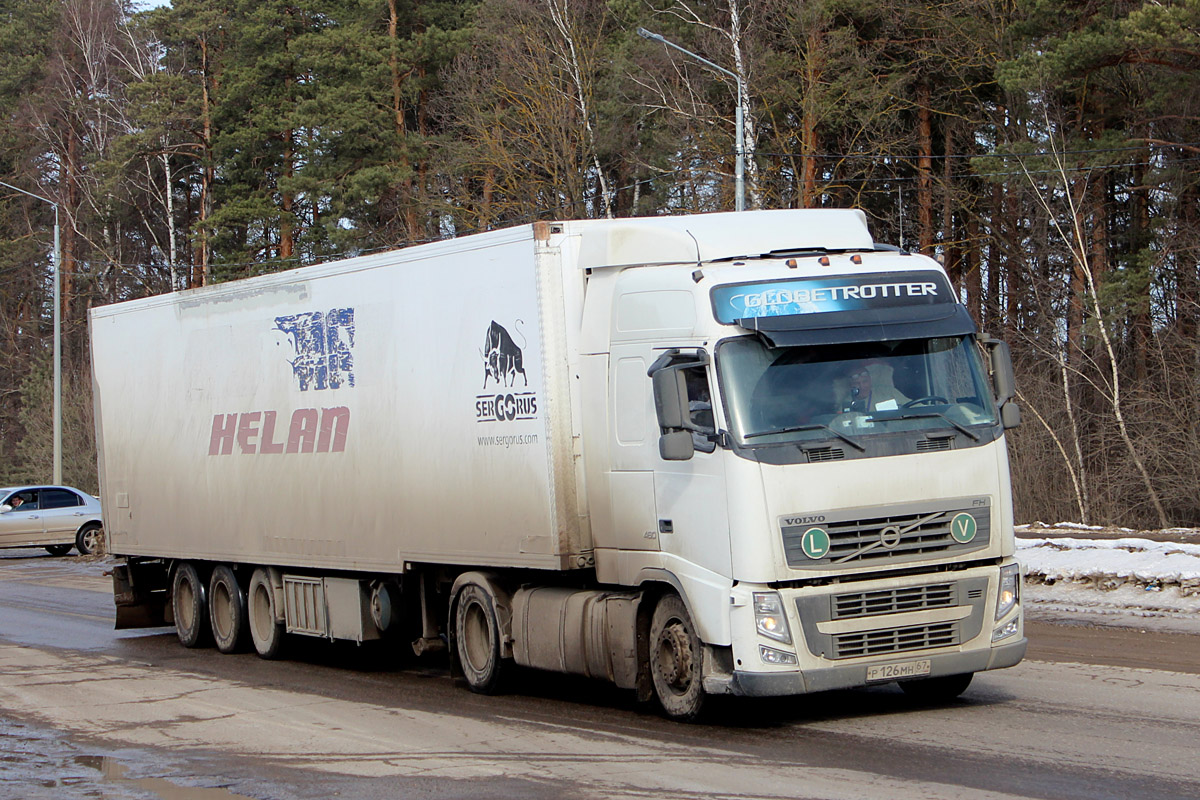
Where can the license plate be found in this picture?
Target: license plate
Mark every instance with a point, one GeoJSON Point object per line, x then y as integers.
{"type": "Point", "coordinates": [891, 672]}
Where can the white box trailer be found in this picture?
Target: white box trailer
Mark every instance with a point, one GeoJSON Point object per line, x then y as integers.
{"type": "Point", "coordinates": [729, 453]}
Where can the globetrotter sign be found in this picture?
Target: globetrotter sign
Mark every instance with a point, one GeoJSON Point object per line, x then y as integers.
{"type": "Point", "coordinates": [826, 294]}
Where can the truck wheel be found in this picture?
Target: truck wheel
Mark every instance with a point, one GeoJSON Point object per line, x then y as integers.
{"type": "Point", "coordinates": [227, 610]}
{"type": "Point", "coordinates": [88, 540]}
{"type": "Point", "coordinates": [675, 658]}
{"type": "Point", "coordinates": [266, 632]}
{"type": "Point", "coordinates": [190, 606]}
{"type": "Point", "coordinates": [937, 690]}
{"type": "Point", "coordinates": [58, 549]}
{"type": "Point", "coordinates": [477, 639]}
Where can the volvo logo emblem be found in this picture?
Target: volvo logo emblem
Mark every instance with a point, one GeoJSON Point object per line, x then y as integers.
{"type": "Point", "coordinates": [889, 537]}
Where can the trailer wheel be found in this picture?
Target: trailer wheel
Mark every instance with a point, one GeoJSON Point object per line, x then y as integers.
{"type": "Point", "coordinates": [477, 639]}
{"type": "Point", "coordinates": [89, 538]}
{"type": "Point", "coordinates": [942, 689]}
{"type": "Point", "coordinates": [265, 629]}
{"type": "Point", "coordinates": [675, 660]}
{"type": "Point", "coordinates": [227, 610]}
{"type": "Point", "coordinates": [190, 606]}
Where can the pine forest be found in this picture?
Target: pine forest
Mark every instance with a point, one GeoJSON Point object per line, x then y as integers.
{"type": "Point", "coordinates": [1045, 151]}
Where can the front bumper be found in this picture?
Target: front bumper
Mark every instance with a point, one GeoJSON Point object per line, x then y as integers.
{"type": "Point", "coordinates": [763, 684]}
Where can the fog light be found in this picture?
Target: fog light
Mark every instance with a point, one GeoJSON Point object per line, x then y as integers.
{"type": "Point", "coordinates": [769, 617]}
{"type": "Point", "coordinates": [1007, 630]}
{"type": "Point", "coordinates": [770, 655]}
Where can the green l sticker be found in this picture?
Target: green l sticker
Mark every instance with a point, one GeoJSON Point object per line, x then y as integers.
{"type": "Point", "coordinates": [963, 528]}
{"type": "Point", "coordinates": [815, 543]}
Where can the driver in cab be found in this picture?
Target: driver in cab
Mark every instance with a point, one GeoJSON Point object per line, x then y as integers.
{"type": "Point", "coordinates": [864, 392]}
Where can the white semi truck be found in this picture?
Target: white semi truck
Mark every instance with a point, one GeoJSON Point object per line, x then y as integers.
{"type": "Point", "coordinates": [735, 453]}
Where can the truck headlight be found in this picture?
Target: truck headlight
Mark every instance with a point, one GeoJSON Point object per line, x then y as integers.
{"type": "Point", "coordinates": [769, 617]}
{"type": "Point", "coordinates": [1010, 589]}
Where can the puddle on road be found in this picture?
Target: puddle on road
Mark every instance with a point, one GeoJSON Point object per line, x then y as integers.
{"type": "Point", "coordinates": [113, 770]}
{"type": "Point", "coordinates": [37, 763]}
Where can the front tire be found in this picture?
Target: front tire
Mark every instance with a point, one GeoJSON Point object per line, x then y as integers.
{"type": "Point", "coordinates": [675, 660]}
{"type": "Point", "coordinates": [189, 603]}
{"type": "Point", "coordinates": [89, 538]}
{"type": "Point", "coordinates": [266, 631]}
{"type": "Point", "coordinates": [477, 639]}
{"type": "Point", "coordinates": [227, 610]}
{"type": "Point", "coordinates": [58, 549]}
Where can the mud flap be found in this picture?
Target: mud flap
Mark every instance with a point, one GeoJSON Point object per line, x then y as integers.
{"type": "Point", "coordinates": [140, 595]}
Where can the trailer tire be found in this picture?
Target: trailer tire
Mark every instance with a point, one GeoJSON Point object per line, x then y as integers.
{"type": "Point", "coordinates": [227, 610]}
{"type": "Point", "coordinates": [675, 660]}
{"type": "Point", "coordinates": [189, 603]}
{"type": "Point", "coordinates": [942, 689]}
{"type": "Point", "coordinates": [477, 639]}
{"type": "Point", "coordinates": [266, 631]}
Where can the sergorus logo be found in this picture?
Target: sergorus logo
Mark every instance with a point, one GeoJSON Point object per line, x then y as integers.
{"type": "Point", "coordinates": [504, 360]}
{"type": "Point", "coordinates": [323, 343]}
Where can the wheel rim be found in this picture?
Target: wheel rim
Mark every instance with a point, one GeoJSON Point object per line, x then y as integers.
{"type": "Point", "coordinates": [261, 617]}
{"type": "Point", "coordinates": [222, 610]}
{"type": "Point", "coordinates": [477, 637]}
{"type": "Point", "coordinates": [187, 604]}
{"type": "Point", "coordinates": [674, 660]}
{"type": "Point", "coordinates": [90, 538]}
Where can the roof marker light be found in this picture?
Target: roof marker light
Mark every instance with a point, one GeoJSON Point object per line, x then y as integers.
{"type": "Point", "coordinates": [823, 261]}
{"type": "Point", "coordinates": [856, 259]}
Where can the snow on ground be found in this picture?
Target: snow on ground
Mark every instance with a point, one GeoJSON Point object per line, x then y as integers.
{"type": "Point", "coordinates": [1132, 578]}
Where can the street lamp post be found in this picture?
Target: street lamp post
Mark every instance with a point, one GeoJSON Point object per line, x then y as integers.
{"type": "Point", "coordinates": [57, 261]}
{"type": "Point", "coordinates": [740, 146]}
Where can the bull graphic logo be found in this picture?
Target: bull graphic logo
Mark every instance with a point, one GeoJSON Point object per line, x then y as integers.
{"type": "Point", "coordinates": [502, 358]}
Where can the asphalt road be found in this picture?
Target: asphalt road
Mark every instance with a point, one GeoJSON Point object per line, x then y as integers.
{"type": "Point", "coordinates": [86, 712]}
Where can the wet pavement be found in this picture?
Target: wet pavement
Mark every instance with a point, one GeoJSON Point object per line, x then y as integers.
{"type": "Point", "coordinates": [37, 764]}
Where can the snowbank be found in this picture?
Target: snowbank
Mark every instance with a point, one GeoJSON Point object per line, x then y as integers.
{"type": "Point", "coordinates": [1108, 564]}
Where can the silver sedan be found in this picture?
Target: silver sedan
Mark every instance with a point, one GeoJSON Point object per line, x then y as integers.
{"type": "Point", "coordinates": [53, 517]}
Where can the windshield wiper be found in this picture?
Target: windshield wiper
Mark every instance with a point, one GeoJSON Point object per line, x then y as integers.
{"type": "Point", "coordinates": [920, 414]}
{"type": "Point", "coordinates": [816, 426]}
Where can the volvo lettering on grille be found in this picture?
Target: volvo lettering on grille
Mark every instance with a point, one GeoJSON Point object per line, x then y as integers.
{"type": "Point", "coordinates": [897, 533]}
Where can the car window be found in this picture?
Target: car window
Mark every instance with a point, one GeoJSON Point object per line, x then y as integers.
{"type": "Point", "coordinates": [30, 501]}
{"type": "Point", "coordinates": [59, 498]}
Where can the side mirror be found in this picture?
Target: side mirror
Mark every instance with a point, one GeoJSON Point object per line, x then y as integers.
{"type": "Point", "coordinates": [1003, 379]}
{"type": "Point", "coordinates": [670, 398]}
{"type": "Point", "coordinates": [676, 446]}
{"type": "Point", "coordinates": [1010, 415]}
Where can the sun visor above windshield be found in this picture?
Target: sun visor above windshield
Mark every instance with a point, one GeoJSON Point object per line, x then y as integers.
{"type": "Point", "coordinates": [845, 308]}
{"type": "Point", "coordinates": [882, 325]}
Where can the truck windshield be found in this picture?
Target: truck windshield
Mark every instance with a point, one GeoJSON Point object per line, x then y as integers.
{"type": "Point", "coordinates": [853, 391]}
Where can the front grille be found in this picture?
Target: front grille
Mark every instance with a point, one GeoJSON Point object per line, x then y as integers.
{"type": "Point", "coordinates": [893, 601]}
{"type": "Point", "coordinates": [896, 533]}
{"type": "Point", "coordinates": [897, 640]}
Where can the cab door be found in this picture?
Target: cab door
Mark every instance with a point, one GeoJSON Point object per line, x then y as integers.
{"type": "Point", "coordinates": [23, 525]}
{"type": "Point", "coordinates": [689, 494]}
